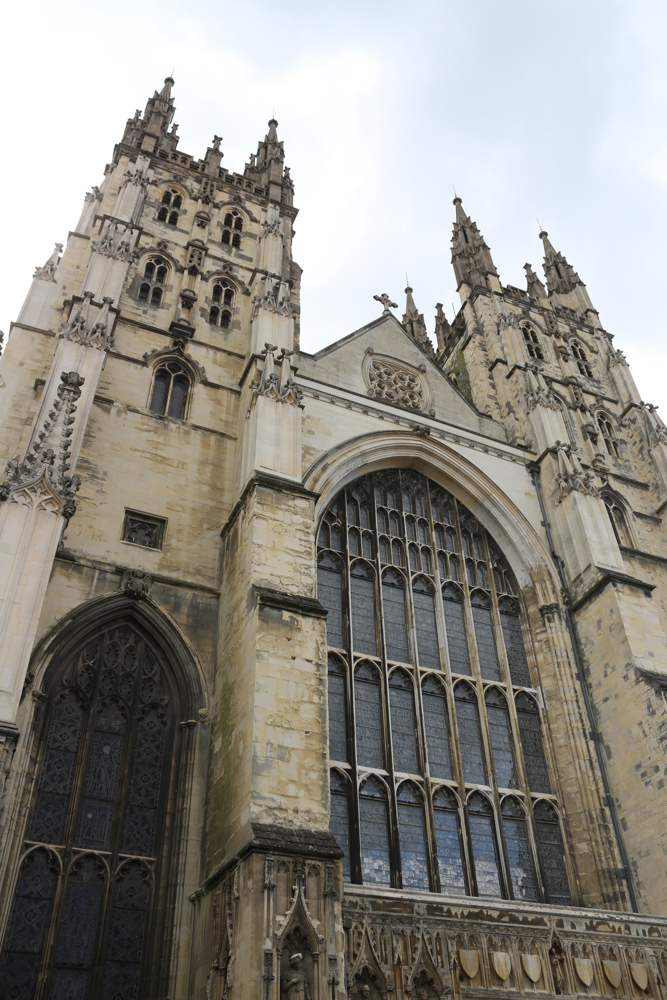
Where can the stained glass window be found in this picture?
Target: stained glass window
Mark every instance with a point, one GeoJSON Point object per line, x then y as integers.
{"type": "Point", "coordinates": [387, 544]}
{"type": "Point", "coordinates": [373, 822]}
{"type": "Point", "coordinates": [412, 838]}
{"type": "Point", "coordinates": [99, 788]}
{"type": "Point", "coordinates": [522, 875]}
{"type": "Point", "coordinates": [551, 854]}
{"type": "Point", "coordinates": [448, 843]}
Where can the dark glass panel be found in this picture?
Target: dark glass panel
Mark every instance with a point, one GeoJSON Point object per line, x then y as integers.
{"type": "Point", "coordinates": [160, 389]}
{"type": "Point", "coordinates": [385, 550]}
{"type": "Point", "coordinates": [225, 319]}
{"type": "Point", "coordinates": [213, 317]}
{"type": "Point", "coordinates": [412, 838]}
{"type": "Point", "coordinates": [156, 296]}
{"type": "Point", "coordinates": [126, 933]}
{"type": "Point", "coordinates": [217, 293]}
{"type": "Point", "coordinates": [24, 941]}
{"type": "Point", "coordinates": [457, 644]}
{"type": "Point", "coordinates": [436, 723]}
{"type": "Point", "coordinates": [337, 711]}
{"type": "Point", "coordinates": [55, 780]}
{"type": "Point", "coordinates": [403, 723]}
{"type": "Point", "coordinates": [144, 793]}
{"type": "Point", "coordinates": [500, 733]}
{"type": "Point", "coordinates": [178, 201]}
{"type": "Point", "coordinates": [396, 632]}
{"type": "Point", "coordinates": [428, 654]}
{"type": "Point", "coordinates": [551, 854]}
{"type": "Point", "coordinates": [484, 849]}
{"type": "Point", "coordinates": [368, 710]}
{"type": "Point", "coordinates": [362, 592]}
{"type": "Point", "coordinates": [486, 643]}
{"type": "Point", "coordinates": [470, 737]}
{"type": "Point", "coordinates": [373, 821]}
{"type": "Point", "coordinates": [330, 593]}
{"type": "Point", "coordinates": [531, 743]}
{"type": "Point", "coordinates": [448, 843]}
{"type": "Point", "coordinates": [229, 296]}
{"type": "Point", "coordinates": [339, 823]}
{"type": "Point", "coordinates": [353, 542]}
{"type": "Point", "coordinates": [518, 851]}
{"type": "Point", "coordinates": [516, 654]}
{"type": "Point", "coordinates": [102, 770]}
{"type": "Point", "coordinates": [179, 393]}
{"type": "Point", "coordinates": [77, 931]}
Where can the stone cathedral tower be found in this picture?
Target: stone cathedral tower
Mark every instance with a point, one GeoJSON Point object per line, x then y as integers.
{"type": "Point", "coordinates": [321, 676]}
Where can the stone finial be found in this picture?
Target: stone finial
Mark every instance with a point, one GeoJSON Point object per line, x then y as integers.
{"type": "Point", "coordinates": [48, 271]}
{"type": "Point", "coordinates": [386, 303]}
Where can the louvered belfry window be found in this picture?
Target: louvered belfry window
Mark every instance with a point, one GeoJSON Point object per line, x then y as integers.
{"type": "Point", "coordinates": [439, 777]}
{"type": "Point", "coordinates": [83, 915]}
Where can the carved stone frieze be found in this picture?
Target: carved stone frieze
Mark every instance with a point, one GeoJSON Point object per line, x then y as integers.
{"type": "Point", "coordinates": [274, 296]}
{"type": "Point", "coordinates": [89, 331]}
{"type": "Point", "coordinates": [42, 478]}
{"type": "Point", "coordinates": [276, 381]}
{"type": "Point", "coordinates": [571, 476]}
{"type": "Point", "coordinates": [539, 392]}
{"type": "Point", "coordinates": [395, 382]}
{"type": "Point", "coordinates": [48, 271]}
{"type": "Point", "coordinates": [115, 241]}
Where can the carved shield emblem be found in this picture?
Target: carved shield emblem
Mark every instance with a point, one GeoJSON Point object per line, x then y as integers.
{"type": "Point", "coordinates": [501, 963]}
{"type": "Point", "coordinates": [639, 973]}
{"type": "Point", "coordinates": [584, 969]}
{"type": "Point", "coordinates": [612, 971]}
{"type": "Point", "coordinates": [469, 959]}
{"type": "Point", "coordinates": [532, 967]}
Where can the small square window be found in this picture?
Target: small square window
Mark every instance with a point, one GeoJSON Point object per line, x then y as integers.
{"type": "Point", "coordinates": [143, 529]}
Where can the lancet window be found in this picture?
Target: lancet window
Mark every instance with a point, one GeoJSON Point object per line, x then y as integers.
{"type": "Point", "coordinates": [151, 289]}
{"type": "Point", "coordinates": [581, 359]}
{"type": "Point", "coordinates": [532, 342]}
{"type": "Point", "coordinates": [232, 229]}
{"type": "Point", "coordinates": [170, 207]}
{"type": "Point", "coordinates": [84, 918]}
{"type": "Point", "coordinates": [618, 517]}
{"type": "Point", "coordinates": [171, 389]}
{"type": "Point", "coordinates": [436, 735]}
{"type": "Point", "coordinates": [607, 432]}
{"type": "Point", "coordinates": [222, 299]}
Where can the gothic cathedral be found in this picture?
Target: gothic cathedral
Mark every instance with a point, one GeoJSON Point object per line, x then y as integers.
{"type": "Point", "coordinates": [322, 676]}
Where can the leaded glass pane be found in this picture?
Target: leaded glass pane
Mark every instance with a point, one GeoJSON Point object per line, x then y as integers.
{"type": "Point", "coordinates": [55, 780]}
{"type": "Point", "coordinates": [179, 391]}
{"type": "Point", "coordinates": [373, 821]}
{"type": "Point", "coordinates": [339, 823]}
{"type": "Point", "coordinates": [337, 711]}
{"type": "Point", "coordinates": [500, 734]}
{"type": "Point", "coordinates": [77, 930]}
{"type": "Point", "coordinates": [367, 705]}
{"type": "Point", "coordinates": [395, 628]}
{"type": "Point", "coordinates": [104, 758]}
{"type": "Point", "coordinates": [484, 850]}
{"type": "Point", "coordinates": [518, 852]}
{"type": "Point", "coordinates": [516, 654]}
{"type": "Point", "coordinates": [436, 723]}
{"type": "Point", "coordinates": [330, 593]}
{"type": "Point", "coordinates": [160, 389]}
{"type": "Point", "coordinates": [412, 838]}
{"type": "Point", "coordinates": [24, 941]}
{"type": "Point", "coordinates": [403, 723]}
{"type": "Point", "coordinates": [448, 844]}
{"type": "Point", "coordinates": [531, 743]}
{"type": "Point", "coordinates": [551, 854]}
{"type": "Point", "coordinates": [457, 644]}
{"type": "Point", "coordinates": [486, 643]}
{"type": "Point", "coordinates": [428, 654]}
{"type": "Point", "coordinates": [141, 815]}
{"type": "Point", "coordinates": [362, 592]}
{"type": "Point", "coordinates": [470, 736]}
{"type": "Point", "coordinates": [126, 933]}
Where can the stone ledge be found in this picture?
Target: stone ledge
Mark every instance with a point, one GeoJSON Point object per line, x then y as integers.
{"type": "Point", "coordinates": [294, 840]}
{"type": "Point", "coordinates": [612, 577]}
{"type": "Point", "coordinates": [298, 603]}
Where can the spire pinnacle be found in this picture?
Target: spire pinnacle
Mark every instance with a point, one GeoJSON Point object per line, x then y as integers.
{"type": "Point", "coordinates": [471, 256]}
{"type": "Point", "coordinates": [561, 276]}
{"type": "Point", "coordinates": [150, 132]}
{"type": "Point", "coordinates": [413, 321]}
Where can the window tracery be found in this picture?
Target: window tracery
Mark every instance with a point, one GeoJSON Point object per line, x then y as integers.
{"type": "Point", "coordinates": [606, 429]}
{"type": "Point", "coordinates": [96, 833]}
{"type": "Point", "coordinates": [151, 289]}
{"type": "Point", "coordinates": [232, 229]}
{"type": "Point", "coordinates": [431, 710]}
{"type": "Point", "coordinates": [396, 383]}
{"type": "Point", "coordinates": [618, 517]}
{"type": "Point", "coordinates": [222, 299]}
{"type": "Point", "coordinates": [171, 389]}
{"type": "Point", "coordinates": [581, 359]}
{"type": "Point", "coordinates": [172, 202]}
{"type": "Point", "coordinates": [532, 342]}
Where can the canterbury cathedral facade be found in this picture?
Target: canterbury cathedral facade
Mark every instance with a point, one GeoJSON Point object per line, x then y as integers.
{"type": "Point", "coordinates": [322, 676]}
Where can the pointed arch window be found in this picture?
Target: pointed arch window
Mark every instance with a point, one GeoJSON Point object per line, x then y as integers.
{"type": "Point", "coordinates": [581, 359]}
{"type": "Point", "coordinates": [232, 229]}
{"type": "Point", "coordinates": [222, 299]}
{"type": "Point", "coordinates": [154, 280]}
{"type": "Point", "coordinates": [97, 827]}
{"type": "Point", "coordinates": [606, 429]}
{"type": "Point", "coordinates": [532, 342]}
{"type": "Point", "coordinates": [171, 389]}
{"type": "Point", "coordinates": [552, 855]}
{"type": "Point", "coordinates": [170, 207]}
{"type": "Point", "coordinates": [426, 674]}
{"type": "Point", "coordinates": [618, 517]}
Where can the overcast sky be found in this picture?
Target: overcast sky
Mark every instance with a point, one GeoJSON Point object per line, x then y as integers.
{"type": "Point", "coordinates": [530, 108]}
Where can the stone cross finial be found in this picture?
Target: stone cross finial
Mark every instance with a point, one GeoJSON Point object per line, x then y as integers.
{"type": "Point", "coordinates": [386, 302]}
{"type": "Point", "coordinates": [217, 139]}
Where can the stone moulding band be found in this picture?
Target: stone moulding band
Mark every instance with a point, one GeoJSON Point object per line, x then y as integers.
{"type": "Point", "coordinates": [613, 578]}
{"type": "Point", "coordinates": [297, 603]}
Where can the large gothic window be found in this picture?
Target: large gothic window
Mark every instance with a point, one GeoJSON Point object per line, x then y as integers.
{"type": "Point", "coordinates": [439, 773]}
{"type": "Point", "coordinates": [83, 920]}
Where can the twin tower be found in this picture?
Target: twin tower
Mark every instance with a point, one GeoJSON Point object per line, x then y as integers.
{"type": "Point", "coordinates": [321, 675]}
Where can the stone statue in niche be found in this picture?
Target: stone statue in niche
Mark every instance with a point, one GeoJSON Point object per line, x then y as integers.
{"type": "Point", "coordinates": [294, 984]}
{"type": "Point", "coordinates": [557, 960]}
